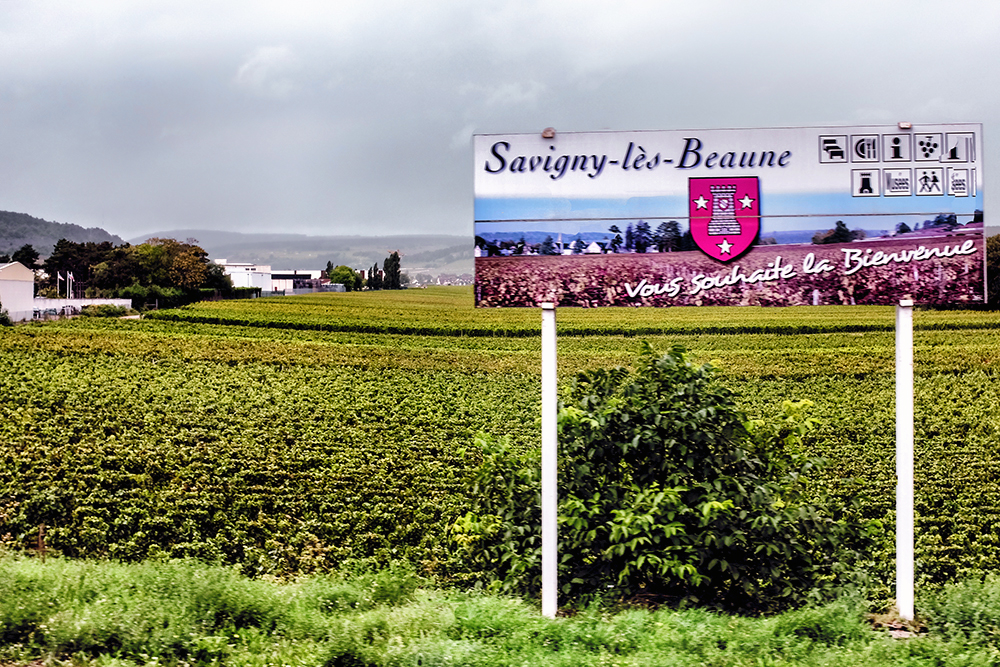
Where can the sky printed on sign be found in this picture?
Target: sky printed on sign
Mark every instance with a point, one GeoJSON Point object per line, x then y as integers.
{"type": "Point", "coordinates": [512, 231]}
{"type": "Point", "coordinates": [822, 205]}
{"type": "Point", "coordinates": [357, 118]}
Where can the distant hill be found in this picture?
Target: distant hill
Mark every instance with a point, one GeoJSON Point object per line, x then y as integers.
{"type": "Point", "coordinates": [782, 237]}
{"type": "Point", "coordinates": [430, 253]}
{"type": "Point", "coordinates": [17, 229]}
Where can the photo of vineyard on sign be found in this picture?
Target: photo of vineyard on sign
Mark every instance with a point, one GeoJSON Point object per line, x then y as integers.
{"type": "Point", "coordinates": [766, 217]}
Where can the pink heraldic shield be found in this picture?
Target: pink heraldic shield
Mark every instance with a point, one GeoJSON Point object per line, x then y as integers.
{"type": "Point", "coordinates": [725, 215]}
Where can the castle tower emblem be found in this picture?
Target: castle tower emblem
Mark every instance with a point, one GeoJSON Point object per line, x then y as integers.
{"type": "Point", "coordinates": [723, 222]}
{"type": "Point", "coordinates": [724, 215]}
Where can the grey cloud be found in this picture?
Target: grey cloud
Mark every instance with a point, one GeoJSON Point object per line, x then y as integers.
{"type": "Point", "coordinates": [269, 72]}
{"type": "Point", "coordinates": [342, 118]}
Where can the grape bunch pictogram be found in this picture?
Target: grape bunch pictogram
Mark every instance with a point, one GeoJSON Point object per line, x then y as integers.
{"type": "Point", "coordinates": [928, 146]}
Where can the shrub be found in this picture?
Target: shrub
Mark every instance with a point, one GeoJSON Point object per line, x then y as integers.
{"type": "Point", "coordinates": [104, 310]}
{"type": "Point", "coordinates": [667, 489]}
{"type": "Point", "coordinates": [968, 611]}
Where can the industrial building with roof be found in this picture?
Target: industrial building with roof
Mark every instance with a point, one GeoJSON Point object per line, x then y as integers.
{"type": "Point", "coordinates": [17, 291]}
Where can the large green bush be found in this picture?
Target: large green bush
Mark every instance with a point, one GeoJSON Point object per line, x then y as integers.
{"type": "Point", "coordinates": [667, 490]}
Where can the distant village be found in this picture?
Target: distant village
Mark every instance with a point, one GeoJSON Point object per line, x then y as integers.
{"type": "Point", "coordinates": [292, 281]}
{"type": "Point", "coordinates": [165, 273]}
{"type": "Point", "coordinates": [669, 237]}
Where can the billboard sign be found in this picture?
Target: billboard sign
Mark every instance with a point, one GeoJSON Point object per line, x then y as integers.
{"type": "Point", "coordinates": [781, 216]}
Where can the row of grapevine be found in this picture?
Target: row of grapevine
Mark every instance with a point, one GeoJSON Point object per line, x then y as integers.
{"type": "Point", "coordinates": [444, 312]}
{"type": "Point", "coordinates": [284, 450]}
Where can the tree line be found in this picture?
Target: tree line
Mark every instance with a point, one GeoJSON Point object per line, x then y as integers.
{"type": "Point", "coordinates": [639, 238]}
{"type": "Point", "coordinates": [26, 255]}
{"type": "Point", "coordinates": [390, 276]}
{"type": "Point", "coordinates": [668, 237]}
{"type": "Point", "coordinates": [165, 271]}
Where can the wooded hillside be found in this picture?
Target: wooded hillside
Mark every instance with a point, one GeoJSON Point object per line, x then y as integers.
{"type": "Point", "coordinates": [17, 229]}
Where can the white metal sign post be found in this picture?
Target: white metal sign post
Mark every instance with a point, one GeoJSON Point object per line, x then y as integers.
{"type": "Point", "coordinates": [904, 459]}
{"type": "Point", "coordinates": [550, 482]}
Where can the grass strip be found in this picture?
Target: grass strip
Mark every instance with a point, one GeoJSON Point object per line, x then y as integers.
{"type": "Point", "coordinates": [182, 613]}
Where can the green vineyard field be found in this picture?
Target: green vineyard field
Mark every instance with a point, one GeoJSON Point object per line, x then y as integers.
{"type": "Point", "coordinates": [288, 435]}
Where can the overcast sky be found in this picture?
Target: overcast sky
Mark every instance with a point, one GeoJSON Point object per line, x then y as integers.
{"type": "Point", "coordinates": [356, 118]}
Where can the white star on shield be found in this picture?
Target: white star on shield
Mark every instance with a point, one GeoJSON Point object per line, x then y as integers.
{"type": "Point", "coordinates": [701, 202]}
{"type": "Point", "coordinates": [724, 247]}
{"type": "Point", "coordinates": [746, 201]}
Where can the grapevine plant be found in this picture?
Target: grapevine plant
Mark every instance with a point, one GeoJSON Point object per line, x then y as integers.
{"type": "Point", "coordinates": [667, 491]}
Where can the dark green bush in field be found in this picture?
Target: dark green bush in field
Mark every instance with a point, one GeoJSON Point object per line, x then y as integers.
{"type": "Point", "coordinates": [667, 489]}
{"type": "Point", "coordinates": [104, 310]}
{"type": "Point", "coordinates": [5, 320]}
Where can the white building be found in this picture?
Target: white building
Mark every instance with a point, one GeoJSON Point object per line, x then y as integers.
{"type": "Point", "coordinates": [17, 291]}
{"type": "Point", "coordinates": [286, 281]}
{"type": "Point", "coordinates": [247, 275]}
{"type": "Point", "coordinates": [263, 277]}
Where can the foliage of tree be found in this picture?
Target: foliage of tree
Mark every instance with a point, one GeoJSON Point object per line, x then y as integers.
{"type": "Point", "coordinates": [839, 234]}
{"type": "Point", "coordinates": [616, 241]}
{"type": "Point", "coordinates": [76, 258]}
{"type": "Point", "coordinates": [27, 256]}
{"type": "Point", "coordinates": [391, 271]}
{"type": "Point", "coordinates": [903, 228]}
{"type": "Point", "coordinates": [629, 238]}
{"type": "Point", "coordinates": [216, 279]}
{"type": "Point", "coordinates": [667, 489]}
{"type": "Point", "coordinates": [374, 281]}
{"type": "Point", "coordinates": [578, 245]}
{"type": "Point", "coordinates": [489, 248]}
{"type": "Point", "coordinates": [346, 276]}
{"type": "Point", "coordinates": [946, 220]}
{"type": "Point", "coordinates": [642, 237]}
{"type": "Point", "coordinates": [548, 247]}
{"type": "Point", "coordinates": [171, 271]}
{"type": "Point", "coordinates": [668, 236]}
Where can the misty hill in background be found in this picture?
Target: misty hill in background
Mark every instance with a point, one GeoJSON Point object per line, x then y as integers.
{"type": "Point", "coordinates": [17, 229]}
{"type": "Point", "coordinates": [431, 253]}
{"type": "Point", "coordinates": [782, 237]}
